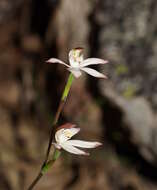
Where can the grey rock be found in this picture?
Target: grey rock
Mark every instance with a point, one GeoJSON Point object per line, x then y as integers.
{"type": "Point", "coordinates": [139, 118]}
{"type": "Point", "coordinates": [127, 39]}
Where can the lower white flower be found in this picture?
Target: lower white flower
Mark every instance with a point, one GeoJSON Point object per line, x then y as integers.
{"type": "Point", "coordinates": [63, 141]}
{"type": "Point", "coordinates": [79, 64]}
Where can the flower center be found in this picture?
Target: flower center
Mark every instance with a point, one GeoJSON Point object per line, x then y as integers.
{"type": "Point", "coordinates": [68, 134]}
{"type": "Point", "coordinates": [76, 57]}
{"type": "Point", "coordinates": [63, 135]}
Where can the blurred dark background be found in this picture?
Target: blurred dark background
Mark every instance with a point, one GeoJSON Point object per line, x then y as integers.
{"type": "Point", "coordinates": [121, 112]}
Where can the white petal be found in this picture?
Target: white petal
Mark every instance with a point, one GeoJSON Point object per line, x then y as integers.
{"type": "Point", "coordinates": [60, 136]}
{"type": "Point", "coordinates": [73, 149]}
{"type": "Point", "coordinates": [54, 60]}
{"type": "Point", "coordinates": [74, 64]}
{"type": "Point", "coordinates": [83, 144]}
{"type": "Point", "coordinates": [74, 131]}
{"type": "Point", "coordinates": [76, 72]}
{"type": "Point", "coordinates": [92, 61]}
{"type": "Point", "coordinates": [93, 72]}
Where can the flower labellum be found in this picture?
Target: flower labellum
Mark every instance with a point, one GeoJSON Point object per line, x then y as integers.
{"type": "Point", "coordinates": [63, 136]}
{"type": "Point", "coordinates": [79, 64]}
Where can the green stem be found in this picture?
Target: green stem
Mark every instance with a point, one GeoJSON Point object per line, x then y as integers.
{"type": "Point", "coordinates": [47, 164]}
{"type": "Point", "coordinates": [59, 110]}
{"type": "Point", "coordinates": [55, 156]}
{"type": "Point", "coordinates": [45, 168]}
{"type": "Point", "coordinates": [67, 87]}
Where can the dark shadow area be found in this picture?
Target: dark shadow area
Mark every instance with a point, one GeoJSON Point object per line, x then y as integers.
{"type": "Point", "coordinates": [41, 13]}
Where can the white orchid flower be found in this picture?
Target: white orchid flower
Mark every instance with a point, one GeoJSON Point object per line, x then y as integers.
{"type": "Point", "coordinates": [79, 64]}
{"type": "Point", "coordinates": [63, 136]}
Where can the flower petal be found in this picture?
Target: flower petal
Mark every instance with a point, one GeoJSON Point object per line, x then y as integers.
{"type": "Point", "coordinates": [66, 126]}
{"type": "Point", "coordinates": [92, 61]}
{"type": "Point", "coordinates": [64, 134]}
{"type": "Point", "coordinates": [76, 72]}
{"type": "Point", "coordinates": [60, 136]}
{"type": "Point", "coordinates": [56, 145]}
{"type": "Point", "coordinates": [83, 144]}
{"type": "Point", "coordinates": [73, 150]}
{"type": "Point", "coordinates": [54, 60]}
{"type": "Point", "coordinates": [74, 131]}
{"type": "Point", "coordinates": [93, 72]}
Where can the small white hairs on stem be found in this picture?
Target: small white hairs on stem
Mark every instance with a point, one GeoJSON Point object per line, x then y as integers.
{"type": "Point", "coordinates": [63, 136]}
{"type": "Point", "coordinates": [79, 64]}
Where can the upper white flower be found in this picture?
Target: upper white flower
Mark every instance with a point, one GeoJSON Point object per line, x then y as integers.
{"type": "Point", "coordinates": [63, 136]}
{"type": "Point", "coordinates": [79, 64]}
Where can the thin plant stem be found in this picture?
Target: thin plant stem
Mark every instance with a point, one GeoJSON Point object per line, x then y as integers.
{"type": "Point", "coordinates": [59, 110]}
{"type": "Point", "coordinates": [35, 181]}
{"type": "Point", "coordinates": [47, 164]}
{"type": "Point", "coordinates": [53, 129]}
{"type": "Point", "coordinates": [45, 168]}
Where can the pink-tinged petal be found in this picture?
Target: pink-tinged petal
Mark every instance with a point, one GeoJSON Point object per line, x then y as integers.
{"type": "Point", "coordinates": [66, 126]}
{"type": "Point", "coordinates": [56, 145]}
{"type": "Point", "coordinates": [54, 60]}
{"type": "Point", "coordinates": [73, 149]}
{"type": "Point", "coordinates": [93, 72]}
{"type": "Point", "coordinates": [83, 144]}
{"type": "Point", "coordinates": [92, 61]}
{"type": "Point", "coordinates": [76, 72]}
